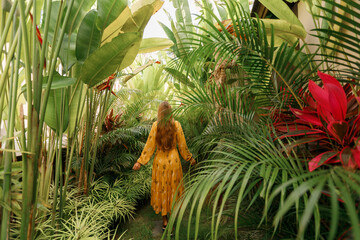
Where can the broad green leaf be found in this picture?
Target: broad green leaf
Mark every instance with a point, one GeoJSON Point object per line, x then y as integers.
{"type": "Point", "coordinates": [88, 37]}
{"type": "Point", "coordinates": [78, 11]}
{"type": "Point", "coordinates": [154, 44]}
{"type": "Point", "coordinates": [126, 22]}
{"type": "Point", "coordinates": [168, 32]}
{"type": "Point", "coordinates": [53, 108]}
{"type": "Point", "coordinates": [108, 11]}
{"type": "Point", "coordinates": [284, 31]}
{"type": "Point", "coordinates": [54, 112]}
{"type": "Point", "coordinates": [131, 54]}
{"type": "Point", "coordinates": [281, 10]}
{"type": "Point", "coordinates": [105, 60]}
{"type": "Point", "coordinates": [67, 52]}
{"type": "Point", "coordinates": [141, 17]}
{"type": "Point", "coordinates": [60, 82]}
{"type": "Point", "coordinates": [114, 28]}
{"type": "Point", "coordinates": [57, 83]}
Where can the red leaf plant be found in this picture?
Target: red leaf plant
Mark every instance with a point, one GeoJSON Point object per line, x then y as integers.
{"type": "Point", "coordinates": [112, 122]}
{"type": "Point", "coordinates": [329, 124]}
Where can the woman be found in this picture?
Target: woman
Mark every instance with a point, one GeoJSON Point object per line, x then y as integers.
{"type": "Point", "coordinates": [167, 174]}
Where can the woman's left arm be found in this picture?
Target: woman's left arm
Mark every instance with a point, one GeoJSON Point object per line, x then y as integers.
{"type": "Point", "coordinates": [184, 151]}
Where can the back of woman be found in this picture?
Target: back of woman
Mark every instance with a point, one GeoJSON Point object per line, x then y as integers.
{"type": "Point", "coordinates": [166, 185]}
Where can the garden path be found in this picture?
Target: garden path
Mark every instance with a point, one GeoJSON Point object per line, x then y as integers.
{"type": "Point", "coordinates": [146, 225]}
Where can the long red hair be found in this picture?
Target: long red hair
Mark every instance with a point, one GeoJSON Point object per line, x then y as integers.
{"type": "Point", "coordinates": [165, 134]}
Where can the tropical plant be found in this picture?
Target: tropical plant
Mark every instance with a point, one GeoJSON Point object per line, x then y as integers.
{"type": "Point", "coordinates": [87, 216]}
{"type": "Point", "coordinates": [329, 125]}
{"type": "Point", "coordinates": [119, 149]}
{"type": "Point", "coordinates": [60, 60]}
{"type": "Point", "coordinates": [243, 163]}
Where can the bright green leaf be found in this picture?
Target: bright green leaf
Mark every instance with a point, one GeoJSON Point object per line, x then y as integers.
{"type": "Point", "coordinates": [114, 28]}
{"type": "Point", "coordinates": [105, 60]}
{"type": "Point", "coordinates": [284, 31]}
{"type": "Point", "coordinates": [78, 11]}
{"type": "Point", "coordinates": [88, 37]}
{"type": "Point", "coordinates": [108, 11]}
{"type": "Point", "coordinates": [281, 10]}
{"type": "Point", "coordinates": [57, 83]}
{"type": "Point", "coordinates": [67, 52]}
{"type": "Point", "coordinates": [53, 109]}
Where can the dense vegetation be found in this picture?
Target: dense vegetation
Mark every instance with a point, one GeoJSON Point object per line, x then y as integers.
{"type": "Point", "coordinates": [272, 120]}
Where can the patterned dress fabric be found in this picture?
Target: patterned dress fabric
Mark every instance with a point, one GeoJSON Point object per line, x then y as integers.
{"type": "Point", "coordinates": [166, 171]}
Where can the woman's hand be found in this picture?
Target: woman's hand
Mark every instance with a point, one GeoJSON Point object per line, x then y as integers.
{"type": "Point", "coordinates": [192, 162]}
{"type": "Point", "coordinates": [136, 166]}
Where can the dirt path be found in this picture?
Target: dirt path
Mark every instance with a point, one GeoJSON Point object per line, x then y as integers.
{"type": "Point", "coordinates": [146, 225]}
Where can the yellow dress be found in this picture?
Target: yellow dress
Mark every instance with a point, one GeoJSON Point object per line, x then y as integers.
{"type": "Point", "coordinates": [166, 172]}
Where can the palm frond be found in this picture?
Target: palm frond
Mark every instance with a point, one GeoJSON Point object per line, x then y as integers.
{"type": "Point", "coordinates": [339, 42]}
{"type": "Point", "coordinates": [250, 167]}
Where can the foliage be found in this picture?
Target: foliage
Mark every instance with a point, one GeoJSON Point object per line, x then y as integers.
{"type": "Point", "coordinates": [250, 166]}
{"type": "Point", "coordinates": [111, 122]}
{"type": "Point", "coordinates": [59, 50]}
{"type": "Point", "coordinates": [119, 149]}
{"type": "Point", "coordinates": [329, 125]}
{"type": "Point", "coordinates": [84, 217]}
{"type": "Point", "coordinates": [242, 162]}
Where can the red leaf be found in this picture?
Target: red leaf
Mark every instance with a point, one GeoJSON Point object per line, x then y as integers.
{"type": "Point", "coordinates": [321, 159]}
{"type": "Point", "coordinates": [326, 79]}
{"type": "Point", "coordinates": [338, 129]}
{"type": "Point", "coordinates": [337, 101]}
{"type": "Point", "coordinates": [307, 116]}
{"type": "Point", "coordinates": [311, 102]}
{"type": "Point", "coordinates": [320, 95]}
{"type": "Point", "coordinates": [325, 114]}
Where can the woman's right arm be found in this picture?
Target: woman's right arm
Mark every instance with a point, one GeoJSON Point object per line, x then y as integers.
{"type": "Point", "coordinates": [148, 149]}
